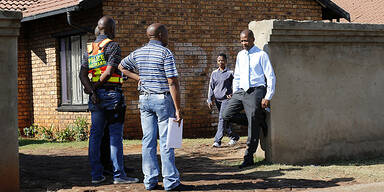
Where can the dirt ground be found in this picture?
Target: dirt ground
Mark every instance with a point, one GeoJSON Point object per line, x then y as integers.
{"type": "Point", "coordinates": [200, 165]}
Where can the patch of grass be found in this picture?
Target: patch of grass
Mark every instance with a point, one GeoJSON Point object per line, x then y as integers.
{"type": "Point", "coordinates": [31, 143]}
{"type": "Point", "coordinates": [36, 144]}
{"type": "Point", "coordinates": [198, 141]}
{"type": "Point", "coordinates": [131, 142]}
{"type": "Point", "coordinates": [27, 141]}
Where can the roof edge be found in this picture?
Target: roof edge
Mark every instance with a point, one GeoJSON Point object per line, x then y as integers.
{"type": "Point", "coordinates": [334, 10]}
{"type": "Point", "coordinates": [83, 4]}
{"type": "Point", "coordinates": [50, 13]}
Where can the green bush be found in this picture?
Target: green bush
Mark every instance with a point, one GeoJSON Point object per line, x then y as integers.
{"type": "Point", "coordinates": [46, 133]}
{"type": "Point", "coordinates": [31, 131]}
{"type": "Point", "coordinates": [80, 129]}
{"type": "Point", "coordinates": [65, 135]}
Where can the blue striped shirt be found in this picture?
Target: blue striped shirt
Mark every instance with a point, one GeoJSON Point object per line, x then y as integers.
{"type": "Point", "coordinates": [155, 63]}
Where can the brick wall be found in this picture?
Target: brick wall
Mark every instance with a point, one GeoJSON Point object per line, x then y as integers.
{"type": "Point", "coordinates": [198, 31]}
{"type": "Point", "coordinates": [24, 81]}
{"type": "Point", "coordinates": [42, 56]}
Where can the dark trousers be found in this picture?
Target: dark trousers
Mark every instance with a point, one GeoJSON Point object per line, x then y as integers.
{"type": "Point", "coordinates": [250, 101]}
{"type": "Point", "coordinates": [223, 126]}
{"type": "Point", "coordinates": [105, 150]}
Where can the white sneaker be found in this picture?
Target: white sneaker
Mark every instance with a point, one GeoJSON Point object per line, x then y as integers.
{"type": "Point", "coordinates": [232, 142]}
{"type": "Point", "coordinates": [216, 144]}
{"type": "Point", "coordinates": [99, 180]}
{"type": "Point", "coordinates": [125, 180]}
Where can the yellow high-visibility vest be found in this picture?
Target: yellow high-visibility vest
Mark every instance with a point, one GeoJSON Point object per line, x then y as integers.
{"type": "Point", "coordinates": [97, 63]}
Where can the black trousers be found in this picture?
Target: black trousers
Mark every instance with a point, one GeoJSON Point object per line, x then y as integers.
{"type": "Point", "coordinates": [254, 116]}
{"type": "Point", "coordinates": [105, 150]}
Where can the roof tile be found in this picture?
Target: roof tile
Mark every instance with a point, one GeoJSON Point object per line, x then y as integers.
{"type": "Point", "coordinates": [34, 7]}
{"type": "Point", "coordinates": [367, 11]}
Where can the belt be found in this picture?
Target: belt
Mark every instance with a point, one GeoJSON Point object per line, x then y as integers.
{"type": "Point", "coordinates": [146, 93]}
{"type": "Point", "coordinates": [110, 88]}
{"type": "Point", "coordinates": [253, 88]}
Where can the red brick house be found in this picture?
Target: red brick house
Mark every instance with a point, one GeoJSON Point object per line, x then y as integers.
{"type": "Point", "coordinates": [53, 36]}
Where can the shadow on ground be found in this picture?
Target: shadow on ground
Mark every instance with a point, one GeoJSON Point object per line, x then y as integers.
{"type": "Point", "coordinates": [50, 173]}
{"type": "Point", "coordinates": [232, 178]}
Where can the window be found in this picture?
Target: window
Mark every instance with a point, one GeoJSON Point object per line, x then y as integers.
{"type": "Point", "coordinates": [71, 51]}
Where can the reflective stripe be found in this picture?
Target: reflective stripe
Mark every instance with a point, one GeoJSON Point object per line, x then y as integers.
{"type": "Point", "coordinates": [90, 48]}
{"type": "Point", "coordinates": [97, 63]}
{"type": "Point", "coordinates": [110, 80]}
{"type": "Point", "coordinates": [97, 71]}
{"type": "Point", "coordinates": [104, 42]}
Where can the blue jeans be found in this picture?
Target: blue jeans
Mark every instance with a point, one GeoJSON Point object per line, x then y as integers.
{"type": "Point", "coordinates": [223, 125]}
{"type": "Point", "coordinates": [108, 112]}
{"type": "Point", "coordinates": [155, 110]}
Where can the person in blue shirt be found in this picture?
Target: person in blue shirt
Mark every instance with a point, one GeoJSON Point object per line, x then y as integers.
{"type": "Point", "coordinates": [253, 86]}
{"type": "Point", "coordinates": [220, 89]}
{"type": "Point", "coordinates": [158, 101]}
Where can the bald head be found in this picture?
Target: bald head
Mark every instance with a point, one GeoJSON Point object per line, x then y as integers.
{"type": "Point", "coordinates": [106, 26]}
{"type": "Point", "coordinates": [247, 39]}
{"type": "Point", "coordinates": [247, 32]}
{"type": "Point", "coordinates": [158, 31]}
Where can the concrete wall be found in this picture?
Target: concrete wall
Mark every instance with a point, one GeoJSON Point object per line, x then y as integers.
{"type": "Point", "coordinates": [9, 160]}
{"type": "Point", "coordinates": [329, 90]}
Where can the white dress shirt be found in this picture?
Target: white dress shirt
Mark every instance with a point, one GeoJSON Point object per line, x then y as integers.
{"type": "Point", "coordinates": [260, 69]}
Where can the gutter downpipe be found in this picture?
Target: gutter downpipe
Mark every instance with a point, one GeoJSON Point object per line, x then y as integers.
{"type": "Point", "coordinates": [69, 21]}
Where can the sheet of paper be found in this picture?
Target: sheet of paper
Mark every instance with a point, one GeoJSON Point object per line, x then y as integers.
{"type": "Point", "coordinates": [175, 134]}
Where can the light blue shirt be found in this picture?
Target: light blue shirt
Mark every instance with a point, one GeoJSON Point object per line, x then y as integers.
{"type": "Point", "coordinates": [260, 70]}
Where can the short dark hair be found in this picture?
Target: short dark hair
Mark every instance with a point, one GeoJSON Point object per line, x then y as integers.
{"type": "Point", "coordinates": [223, 55]}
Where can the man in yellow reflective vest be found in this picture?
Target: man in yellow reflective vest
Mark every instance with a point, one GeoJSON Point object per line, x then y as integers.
{"type": "Point", "coordinates": [106, 101]}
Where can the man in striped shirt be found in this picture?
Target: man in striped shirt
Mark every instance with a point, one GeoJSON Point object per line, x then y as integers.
{"type": "Point", "coordinates": [159, 100]}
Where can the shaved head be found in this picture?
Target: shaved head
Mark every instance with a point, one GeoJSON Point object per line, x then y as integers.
{"type": "Point", "coordinates": [158, 31]}
{"type": "Point", "coordinates": [155, 29]}
{"type": "Point", "coordinates": [106, 26]}
{"type": "Point", "coordinates": [248, 33]}
{"type": "Point", "coordinates": [247, 39]}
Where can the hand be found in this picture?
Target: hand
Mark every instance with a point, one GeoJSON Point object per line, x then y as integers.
{"type": "Point", "coordinates": [88, 90]}
{"type": "Point", "coordinates": [264, 103]}
{"type": "Point", "coordinates": [229, 96]}
{"type": "Point", "coordinates": [210, 104]}
{"type": "Point", "coordinates": [178, 117]}
{"type": "Point", "coordinates": [94, 98]}
{"type": "Point", "coordinates": [97, 84]}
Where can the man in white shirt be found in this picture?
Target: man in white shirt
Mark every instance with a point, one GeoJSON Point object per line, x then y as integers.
{"type": "Point", "coordinates": [253, 87]}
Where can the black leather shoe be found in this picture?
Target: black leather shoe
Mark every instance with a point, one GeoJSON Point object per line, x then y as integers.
{"type": "Point", "coordinates": [156, 187]}
{"type": "Point", "coordinates": [246, 164]}
{"type": "Point", "coordinates": [182, 187]}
